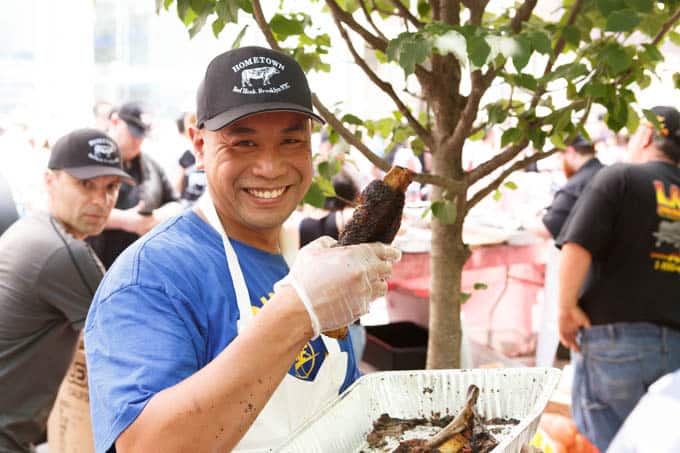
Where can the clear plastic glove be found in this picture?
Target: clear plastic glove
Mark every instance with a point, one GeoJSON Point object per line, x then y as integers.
{"type": "Point", "coordinates": [336, 284]}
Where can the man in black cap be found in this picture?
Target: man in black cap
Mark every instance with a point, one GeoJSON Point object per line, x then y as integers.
{"type": "Point", "coordinates": [619, 285]}
{"type": "Point", "coordinates": [200, 324]}
{"type": "Point", "coordinates": [580, 165]}
{"type": "Point", "coordinates": [48, 276]}
{"type": "Point", "coordinates": [143, 205]}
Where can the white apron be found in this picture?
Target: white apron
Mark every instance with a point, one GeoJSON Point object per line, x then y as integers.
{"type": "Point", "coordinates": [294, 400]}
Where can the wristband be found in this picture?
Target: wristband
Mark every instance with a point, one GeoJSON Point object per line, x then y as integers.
{"type": "Point", "coordinates": [302, 294]}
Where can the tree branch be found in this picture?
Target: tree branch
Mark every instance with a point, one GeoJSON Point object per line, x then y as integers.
{"type": "Point", "coordinates": [479, 196]}
{"type": "Point", "coordinates": [480, 83]}
{"type": "Point", "coordinates": [449, 184]}
{"type": "Point", "coordinates": [666, 27]}
{"type": "Point", "coordinates": [376, 42]}
{"type": "Point", "coordinates": [264, 25]}
{"type": "Point", "coordinates": [362, 3]}
{"type": "Point", "coordinates": [406, 14]}
{"type": "Point", "coordinates": [522, 15]}
{"type": "Point", "coordinates": [659, 36]}
{"type": "Point", "coordinates": [509, 153]}
{"type": "Point", "coordinates": [476, 8]}
{"type": "Point", "coordinates": [424, 134]}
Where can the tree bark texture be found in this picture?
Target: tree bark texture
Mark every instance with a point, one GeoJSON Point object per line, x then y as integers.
{"type": "Point", "coordinates": [447, 257]}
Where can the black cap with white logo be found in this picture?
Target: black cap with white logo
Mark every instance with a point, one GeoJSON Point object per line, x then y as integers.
{"type": "Point", "coordinates": [87, 153]}
{"type": "Point", "coordinates": [250, 80]}
{"type": "Point", "coordinates": [133, 115]}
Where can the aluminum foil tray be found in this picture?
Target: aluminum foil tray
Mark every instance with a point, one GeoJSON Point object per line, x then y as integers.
{"type": "Point", "coordinates": [342, 425]}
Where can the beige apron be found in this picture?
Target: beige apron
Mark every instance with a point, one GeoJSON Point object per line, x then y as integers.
{"type": "Point", "coordinates": [294, 400]}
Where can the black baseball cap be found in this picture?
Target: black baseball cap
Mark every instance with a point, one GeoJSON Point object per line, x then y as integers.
{"type": "Point", "coordinates": [249, 80]}
{"type": "Point", "coordinates": [132, 113]}
{"type": "Point", "coordinates": [669, 122]}
{"type": "Point", "coordinates": [581, 142]}
{"type": "Point", "coordinates": [88, 153]}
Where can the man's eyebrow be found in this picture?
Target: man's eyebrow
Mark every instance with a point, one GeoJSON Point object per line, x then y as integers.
{"type": "Point", "coordinates": [239, 130]}
{"type": "Point", "coordinates": [300, 126]}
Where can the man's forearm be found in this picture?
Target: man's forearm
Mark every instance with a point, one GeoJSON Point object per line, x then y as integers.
{"type": "Point", "coordinates": [212, 409]}
{"type": "Point", "coordinates": [574, 263]}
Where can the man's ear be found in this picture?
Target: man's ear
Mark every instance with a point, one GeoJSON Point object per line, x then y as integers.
{"type": "Point", "coordinates": [647, 136]}
{"type": "Point", "coordinates": [198, 142]}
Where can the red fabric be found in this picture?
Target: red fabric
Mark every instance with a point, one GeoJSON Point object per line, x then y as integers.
{"type": "Point", "coordinates": [513, 274]}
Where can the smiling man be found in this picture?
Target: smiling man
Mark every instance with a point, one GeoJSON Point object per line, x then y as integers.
{"type": "Point", "coordinates": [48, 275]}
{"type": "Point", "coordinates": [201, 337]}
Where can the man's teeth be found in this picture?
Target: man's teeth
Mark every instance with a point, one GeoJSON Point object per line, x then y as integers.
{"type": "Point", "coordinates": [267, 193]}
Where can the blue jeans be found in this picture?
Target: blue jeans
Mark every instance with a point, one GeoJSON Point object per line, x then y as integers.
{"type": "Point", "coordinates": [617, 363]}
{"type": "Point", "coordinates": [357, 333]}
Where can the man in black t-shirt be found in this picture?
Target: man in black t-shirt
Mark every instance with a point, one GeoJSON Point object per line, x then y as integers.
{"type": "Point", "coordinates": [580, 165]}
{"type": "Point", "coordinates": [619, 282]}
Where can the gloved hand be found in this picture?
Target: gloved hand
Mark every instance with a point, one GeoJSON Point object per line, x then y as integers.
{"type": "Point", "coordinates": [336, 284]}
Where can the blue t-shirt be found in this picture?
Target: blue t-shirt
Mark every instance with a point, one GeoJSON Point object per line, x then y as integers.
{"type": "Point", "coordinates": [164, 310]}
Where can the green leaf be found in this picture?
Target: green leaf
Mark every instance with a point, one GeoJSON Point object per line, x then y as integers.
{"type": "Point", "coordinates": [464, 297]}
{"type": "Point", "coordinates": [352, 119]}
{"type": "Point", "coordinates": [183, 7]}
{"type": "Point", "coordinates": [540, 42]}
{"type": "Point", "coordinates": [595, 90]}
{"type": "Point", "coordinates": [652, 118]}
{"type": "Point", "coordinates": [198, 5]}
{"type": "Point", "coordinates": [418, 146]}
{"type": "Point", "coordinates": [523, 53]}
{"type": "Point", "coordinates": [676, 80]}
{"type": "Point", "coordinates": [497, 195]}
{"type": "Point", "coordinates": [512, 135]}
{"type": "Point", "coordinates": [478, 50]}
{"type": "Point", "coordinates": [571, 34]}
{"type": "Point", "coordinates": [217, 27]}
{"type": "Point", "coordinates": [633, 120]}
{"type": "Point", "coordinates": [394, 46]}
{"type": "Point", "coordinates": [617, 59]}
{"type": "Point", "coordinates": [480, 285]}
{"type": "Point", "coordinates": [537, 137]}
{"type": "Point", "coordinates": [477, 135]}
{"type": "Point", "coordinates": [245, 5]}
{"type": "Point", "coordinates": [608, 6]}
{"type": "Point", "coordinates": [167, 3]}
{"type": "Point", "coordinates": [326, 186]}
{"type": "Point", "coordinates": [497, 113]}
{"type": "Point", "coordinates": [414, 51]}
{"type": "Point", "coordinates": [237, 41]}
{"type": "Point", "coordinates": [652, 52]}
{"type": "Point", "coordinates": [423, 8]}
{"type": "Point", "coordinates": [197, 23]}
{"type": "Point", "coordinates": [617, 117]}
{"type": "Point", "coordinates": [557, 141]}
{"type": "Point", "coordinates": [227, 10]}
{"type": "Point", "coordinates": [285, 27]}
{"type": "Point", "coordinates": [525, 81]}
{"type": "Point", "coordinates": [444, 211]}
{"type": "Point", "coordinates": [643, 6]}
{"type": "Point", "coordinates": [314, 196]}
{"type": "Point", "coordinates": [674, 36]}
{"type": "Point", "coordinates": [622, 20]}
{"type": "Point", "coordinates": [510, 185]}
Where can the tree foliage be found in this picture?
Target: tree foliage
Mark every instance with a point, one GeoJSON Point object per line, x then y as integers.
{"type": "Point", "coordinates": [553, 69]}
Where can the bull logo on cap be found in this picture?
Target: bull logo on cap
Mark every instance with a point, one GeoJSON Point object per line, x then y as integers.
{"type": "Point", "coordinates": [103, 151]}
{"type": "Point", "coordinates": [265, 74]}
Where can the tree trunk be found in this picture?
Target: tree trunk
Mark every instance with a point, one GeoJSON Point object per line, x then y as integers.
{"type": "Point", "coordinates": [447, 257]}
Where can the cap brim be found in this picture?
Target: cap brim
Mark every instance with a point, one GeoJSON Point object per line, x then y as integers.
{"type": "Point", "coordinates": [92, 171]}
{"type": "Point", "coordinates": [224, 119]}
{"type": "Point", "coordinates": [136, 130]}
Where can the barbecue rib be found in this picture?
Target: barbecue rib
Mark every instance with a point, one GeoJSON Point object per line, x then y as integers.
{"type": "Point", "coordinates": [378, 216]}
